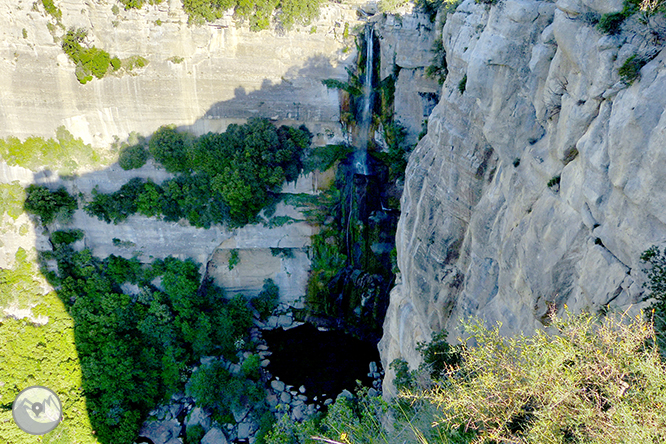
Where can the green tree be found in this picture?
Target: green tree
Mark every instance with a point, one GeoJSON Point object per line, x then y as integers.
{"type": "Point", "coordinates": [171, 148]}
{"type": "Point", "coordinates": [49, 204]}
{"type": "Point", "coordinates": [131, 157]}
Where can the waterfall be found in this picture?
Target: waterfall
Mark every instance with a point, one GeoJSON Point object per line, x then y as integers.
{"type": "Point", "coordinates": [361, 154]}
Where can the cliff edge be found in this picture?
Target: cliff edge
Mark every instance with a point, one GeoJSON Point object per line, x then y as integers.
{"type": "Point", "coordinates": [539, 182]}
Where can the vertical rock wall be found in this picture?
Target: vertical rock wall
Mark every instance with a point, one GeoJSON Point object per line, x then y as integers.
{"type": "Point", "coordinates": [481, 232]}
{"type": "Point", "coordinates": [206, 76]}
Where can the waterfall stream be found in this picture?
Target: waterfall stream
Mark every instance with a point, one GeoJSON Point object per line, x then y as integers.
{"type": "Point", "coordinates": [365, 118]}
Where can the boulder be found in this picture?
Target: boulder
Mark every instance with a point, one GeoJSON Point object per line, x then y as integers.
{"type": "Point", "coordinates": [214, 436]}
{"type": "Point", "coordinates": [277, 385]}
{"type": "Point", "coordinates": [198, 416]}
{"type": "Point", "coordinates": [160, 432]}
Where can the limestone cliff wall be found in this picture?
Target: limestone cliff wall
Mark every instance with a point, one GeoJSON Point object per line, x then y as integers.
{"type": "Point", "coordinates": [481, 232]}
{"type": "Point", "coordinates": [227, 72]}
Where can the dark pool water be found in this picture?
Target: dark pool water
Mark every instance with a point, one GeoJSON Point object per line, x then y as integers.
{"type": "Point", "coordinates": [324, 362]}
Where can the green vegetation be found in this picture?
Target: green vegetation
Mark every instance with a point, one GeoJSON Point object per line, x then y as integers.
{"type": "Point", "coordinates": [631, 69]}
{"type": "Point", "coordinates": [52, 10]}
{"type": "Point", "coordinates": [134, 62]}
{"type": "Point", "coordinates": [258, 13]}
{"type": "Point", "coordinates": [134, 155]}
{"type": "Point", "coordinates": [66, 237]}
{"type": "Point", "coordinates": [611, 23]}
{"type": "Point", "coordinates": [48, 204]}
{"type": "Point", "coordinates": [12, 197]}
{"type": "Point", "coordinates": [88, 61]}
{"type": "Point", "coordinates": [266, 302]}
{"type": "Point", "coordinates": [438, 68]}
{"type": "Point", "coordinates": [594, 381]}
{"type": "Point", "coordinates": [554, 181]}
{"type": "Point", "coordinates": [63, 154]}
{"type": "Point", "coordinates": [137, 4]}
{"type": "Point", "coordinates": [598, 381]}
{"type": "Point", "coordinates": [116, 63]}
{"type": "Point", "coordinates": [656, 272]}
{"type": "Point", "coordinates": [353, 88]}
{"type": "Point", "coordinates": [285, 253]}
{"type": "Point", "coordinates": [135, 351]}
{"type": "Point", "coordinates": [432, 7]}
{"type": "Point", "coordinates": [176, 59]}
{"type": "Point", "coordinates": [234, 259]}
{"type": "Point", "coordinates": [39, 354]}
{"type": "Point", "coordinates": [389, 6]}
{"type": "Point", "coordinates": [462, 84]}
{"type": "Point", "coordinates": [324, 157]}
{"type": "Point", "coordinates": [238, 390]}
{"type": "Point", "coordinates": [223, 178]}
{"type": "Point", "coordinates": [94, 61]}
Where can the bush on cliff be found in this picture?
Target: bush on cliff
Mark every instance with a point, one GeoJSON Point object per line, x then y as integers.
{"type": "Point", "coordinates": [257, 12]}
{"type": "Point", "coordinates": [49, 204]}
{"type": "Point", "coordinates": [591, 380]}
{"type": "Point", "coordinates": [222, 178]}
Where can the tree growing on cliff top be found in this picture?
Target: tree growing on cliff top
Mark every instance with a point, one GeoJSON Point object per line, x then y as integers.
{"type": "Point", "coordinates": [257, 12]}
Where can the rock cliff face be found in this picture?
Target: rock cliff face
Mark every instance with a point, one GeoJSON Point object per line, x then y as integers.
{"type": "Point", "coordinates": [200, 76]}
{"type": "Point", "coordinates": [482, 233]}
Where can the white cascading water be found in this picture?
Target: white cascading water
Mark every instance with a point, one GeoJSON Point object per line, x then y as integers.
{"type": "Point", "coordinates": [361, 155]}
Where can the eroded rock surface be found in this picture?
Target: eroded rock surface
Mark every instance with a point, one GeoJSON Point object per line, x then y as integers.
{"type": "Point", "coordinates": [203, 77]}
{"type": "Point", "coordinates": [481, 232]}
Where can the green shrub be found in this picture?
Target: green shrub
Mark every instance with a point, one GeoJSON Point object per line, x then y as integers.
{"type": "Point", "coordinates": [430, 7]}
{"type": "Point", "coordinates": [49, 204]}
{"type": "Point", "coordinates": [138, 4]}
{"type": "Point", "coordinates": [462, 84]}
{"type": "Point", "coordinates": [193, 434]}
{"type": "Point", "coordinates": [591, 381]}
{"type": "Point", "coordinates": [132, 157]}
{"type": "Point", "coordinates": [12, 199]}
{"type": "Point", "coordinates": [438, 356]}
{"type": "Point", "coordinates": [324, 157]}
{"type": "Point", "coordinates": [389, 6]}
{"type": "Point", "coordinates": [655, 259]}
{"type": "Point", "coordinates": [66, 236]}
{"type": "Point", "coordinates": [52, 9]}
{"type": "Point", "coordinates": [267, 300]}
{"type": "Point", "coordinates": [171, 148]}
{"type": "Point", "coordinates": [611, 23]}
{"type": "Point", "coordinates": [345, 86]}
{"type": "Point", "coordinates": [116, 63]}
{"type": "Point", "coordinates": [631, 69]}
{"type": "Point", "coordinates": [257, 12]}
{"type": "Point", "coordinates": [133, 62]}
{"type": "Point", "coordinates": [404, 379]}
{"type": "Point", "coordinates": [234, 259]}
{"type": "Point", "coordinates": [555, 180]}
{"type": "Point", "coordinates": [438, 68]}
{"type": "Point", "coordinates": [225, 178]}
{"type": "Point", "coordinates": [64, 153]}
